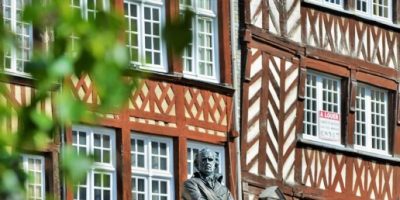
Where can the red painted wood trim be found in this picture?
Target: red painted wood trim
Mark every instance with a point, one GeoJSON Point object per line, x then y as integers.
{"type": "Point", "coordinates": [180, 164]}
{"type": "Point", "coordinates": [273, 44]}
{"type": "Point", "coordinates": [248, 62]}
{"type": "Point", "coordinates": [376, 80]}
{"type": "Point", "coordinates": [398, 103]}
{"type": "Point", "coordinates": [263, 116]}
{"type": "Point", "coordinates": [246, 10]}
{"type": "Point", "coordinates": [224, 42]}
{"type": "Point", "coordinates": [124, 172]}
{"type": "Point", "coordinates": [265, 14]}
{"type": "Point", "coordinates": [231, 169]}
{"type": "Point", "coordinates": [325, 67]}
{"type": "Point", "coordinates": [392, 120]}
{"type": "Point", "coordinates": [396, 134]}
{"type": "Point", "coordinates": [353, 90]}
{"type": "Point", "coordinates": [302, 83]}
{"type": "Point", "coordinates": [69, 194]}
{"type": "Point", "coordinates": [119, 6]}
{"type": "Point", "coordinates": [396, 11]}
{"type": "Point", "coordinates": [174, 60]}
{"type": "Point", "coordinates": [174, 132]}
{"type": "Point", "coordinates": [244, 125]}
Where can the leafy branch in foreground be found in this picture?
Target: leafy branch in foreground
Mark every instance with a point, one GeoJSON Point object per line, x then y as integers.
{"type": "Point", "coordinates": [70, 47]}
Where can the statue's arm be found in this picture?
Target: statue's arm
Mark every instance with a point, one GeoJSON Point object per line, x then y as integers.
{"type": "Point", "coordinates": [191, 191]}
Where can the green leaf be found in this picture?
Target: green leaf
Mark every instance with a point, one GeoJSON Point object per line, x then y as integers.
{"type": "Point", "coordinates": [177, 33]}
{"type": "Point", "coordinates": [73, 165]}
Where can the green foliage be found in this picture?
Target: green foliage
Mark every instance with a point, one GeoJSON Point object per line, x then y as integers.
{"type": "Point", "coordinates": [97, 51]}
{"type": "Point", "coordinates": [178, 35]}
{"type": "Point", "coordinates": [74, 166]}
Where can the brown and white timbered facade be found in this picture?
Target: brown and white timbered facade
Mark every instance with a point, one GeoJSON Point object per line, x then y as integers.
{"type": "Point", "coordinates": [320, 98]}
{"type": "Point", "coordinates": [184, 103]}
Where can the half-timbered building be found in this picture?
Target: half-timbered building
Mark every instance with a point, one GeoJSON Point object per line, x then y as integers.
{"type": "Point", "coordinates": [185, 103]}
{"type": "Point", "coordinates": [320, 89]}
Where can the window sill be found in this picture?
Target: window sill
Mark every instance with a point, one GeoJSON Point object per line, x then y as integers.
{"type": "Point", "coordinates": [146, 172]}
{"type": "Point", "coordinates": [355, 14]}
{"type": "Point", "coordinates": [200, 78]}
{"type": "Point", "coordinates": [346, 150]}
{"type": "Point", "coordinates": [179, 78]}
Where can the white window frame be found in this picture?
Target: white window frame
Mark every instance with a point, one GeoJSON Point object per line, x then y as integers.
{"type": "Point", "coordinates": [83, 6]}
{"type": "Point", "coordinates": [25, 160]}
{"type": "Point", "coordinates": [141, 4]}
{"type": "Point", "coordinates": [369, 12]}
{"type": "Point", "coordinates": [211, 14]}
{"type": "Point", "coordinates": [329, 4]}
{"type": "Point", "coordinates": [97, 166]}
{"type": "Point", "coordinates": [368, 120]}
{"type": "Point", "coordinates": [319, 105]}
{"type": "Point", "coordinates": [11, 68]}
{"type": "Point", "coordinates": [201, 145]}
{"type": "Point", "coordinates": [150, 174]}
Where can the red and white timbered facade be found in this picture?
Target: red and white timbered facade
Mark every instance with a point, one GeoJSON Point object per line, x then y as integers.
{"type": "Point", "coordinates": [320, 89]}
{"type": "Point", "coordinates": [185, 103]}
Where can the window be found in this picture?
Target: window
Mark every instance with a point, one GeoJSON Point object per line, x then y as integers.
{"type": "Point", "coordinates": [371, 132]}
{"type": "Point", "coordinates": [100, 182]}
{"type": "Point", "coordinates": [144, 21]}
{"type": "Point", "coordinates": [152, 167]}
{"type": "Point", "coordinates": [333, 2]}
{"type": "Point", "coordinates": [322, 108]}
{"type": "Point", "coordinates": [16, 58]}
{"type": "Point", "coordinates": [194, 147]}
{"type": "Point", "coordinates": [375, 8]}
{"type": "Point", "coordinates": [336, 4]}
{"type": "Point", "coordinates": [34, 166]}
{"type": "Point", "coordinates": [200, 57]}
{"type": "Point", "coordinates": [89, 8]}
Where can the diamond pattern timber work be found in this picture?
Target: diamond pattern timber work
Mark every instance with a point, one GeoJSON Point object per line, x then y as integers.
{"type": "Point", "coordinates": [205, 106]}
{"type": "Point", "coordinates": [83, 89]}
{"type": "Point", "coordinates": [154, 103]}
{"type": "Point", "coordinates": [153, 97]}
{"type": "Point", "coordinates": [271, 102]}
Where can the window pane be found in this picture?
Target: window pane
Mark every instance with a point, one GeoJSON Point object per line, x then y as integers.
{"type": "Point", "coordinates": [154, 187]}
{"type": "Point", "coordinates": [34, 167]}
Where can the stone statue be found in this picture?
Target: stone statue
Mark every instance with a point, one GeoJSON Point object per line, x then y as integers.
{"type": "Point", "coordinates": [206, 183]}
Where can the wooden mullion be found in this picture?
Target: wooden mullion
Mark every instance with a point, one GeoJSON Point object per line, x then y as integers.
{"type": "Point", "coordinates": [231, 168]}
{"type": "Point", "coordinates": [302, 82]}
{"type": "Point", "coordinates": [345, 112]}
{"type": "Point", "coordinates": [180, 164]}
{"type": "Point", "coordinates": [175, 62]}
{"type": "Point", "coordinates": [263, 115]}
{"type": "Point", "coordinates": [396, 119]}
{"type": "Point", "coordinates": [392, 123]}
{"type": "Point", "coordinates": [396, 11]}
{"type": "Point", "coordinates": [124, 172]}
{"type": "Point", "coordinates": [69, 192]}
{"type": "Point", "coordinates": [224, 46]}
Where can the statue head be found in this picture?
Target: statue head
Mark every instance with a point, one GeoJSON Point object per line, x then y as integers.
{"type": "Point", "coordinates": [206, 161]}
